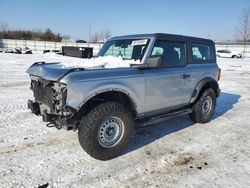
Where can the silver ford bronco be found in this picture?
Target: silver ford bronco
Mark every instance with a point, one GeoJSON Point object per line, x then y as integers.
{"type": "Point", "coordinates": [176, 75]}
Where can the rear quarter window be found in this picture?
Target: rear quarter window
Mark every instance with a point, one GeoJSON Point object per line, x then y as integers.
{"type": "Point", "coordinates": [203, 53]}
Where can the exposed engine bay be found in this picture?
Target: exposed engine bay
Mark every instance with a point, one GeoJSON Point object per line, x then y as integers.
{"type": "Point", "coordinates": [50, 101]}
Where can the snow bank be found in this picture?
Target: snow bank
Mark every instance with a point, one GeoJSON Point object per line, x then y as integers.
{"type": "Point", "coordinates": [100, 62]}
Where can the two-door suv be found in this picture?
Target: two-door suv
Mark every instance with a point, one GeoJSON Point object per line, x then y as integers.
{"type": "Point", "coordinates": [175, 75]}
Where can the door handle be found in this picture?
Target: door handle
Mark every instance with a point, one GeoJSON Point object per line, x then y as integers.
{"type": "Point", "coordinates": [185, 76]}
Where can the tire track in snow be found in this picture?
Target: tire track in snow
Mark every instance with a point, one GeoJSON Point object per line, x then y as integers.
{"type": "Point", "coordinates": [14, 84]}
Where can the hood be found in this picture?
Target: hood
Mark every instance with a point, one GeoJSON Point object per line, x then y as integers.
{"type": "Point", "coordinates": [56, 71]}
{"type": "Point", "coordinates": [49, 71]}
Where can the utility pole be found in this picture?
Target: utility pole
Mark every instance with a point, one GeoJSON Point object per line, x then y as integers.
{"type": "Point", "coordinates": [89, 33]}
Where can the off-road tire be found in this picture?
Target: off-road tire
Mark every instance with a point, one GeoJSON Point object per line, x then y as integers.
{"type": "Point", "coordinates": [197, 115]}
{"type": "Point", "coordinates": [90, 124]}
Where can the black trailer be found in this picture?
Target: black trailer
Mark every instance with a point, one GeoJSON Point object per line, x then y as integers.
{"type": "Point", "coordinates": [74, 51]}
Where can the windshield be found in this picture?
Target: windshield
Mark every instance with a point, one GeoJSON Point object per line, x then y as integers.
{"type": "Point", "coordinates": [128, 49]}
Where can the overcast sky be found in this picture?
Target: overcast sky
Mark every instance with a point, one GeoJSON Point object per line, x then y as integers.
{"type": "Point", "coordinates": [216, 19]}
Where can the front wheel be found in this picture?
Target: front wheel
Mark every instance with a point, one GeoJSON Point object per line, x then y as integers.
{"type": "Point", "coordinates": [105, 131]}
{"type": "Point", "coordinates": [204, 108]}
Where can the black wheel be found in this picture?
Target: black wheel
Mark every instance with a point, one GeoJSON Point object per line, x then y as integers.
{"type": "Point", "coordinates": [234, 56]}
{"type": "Point", "coordinates": [105, 131]}
{"type": "Point", "coordinates": [204, 108]}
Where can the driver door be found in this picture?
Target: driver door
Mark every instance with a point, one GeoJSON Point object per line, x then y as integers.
{"type": "Point", "coordinates": [168, 86]}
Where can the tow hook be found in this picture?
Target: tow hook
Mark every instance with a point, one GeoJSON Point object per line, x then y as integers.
{"type": "Point", "coordinates": [54, 125]}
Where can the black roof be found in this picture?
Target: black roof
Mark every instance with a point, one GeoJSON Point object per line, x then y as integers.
{"type": "Point", "coordinates": [165, 36]}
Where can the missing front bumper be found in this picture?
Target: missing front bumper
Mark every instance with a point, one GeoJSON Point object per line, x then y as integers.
{"type": "Point", "coordinates": [66, 121]}
{"type": "Point", "coordinates": [34, 107]}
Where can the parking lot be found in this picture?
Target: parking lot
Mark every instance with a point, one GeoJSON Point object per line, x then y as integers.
{"type": "Point", "coordinates": [169, 154]}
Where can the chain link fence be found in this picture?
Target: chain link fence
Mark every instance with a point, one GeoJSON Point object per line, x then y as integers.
{"type": "Point", "coordinates": [39, 46]}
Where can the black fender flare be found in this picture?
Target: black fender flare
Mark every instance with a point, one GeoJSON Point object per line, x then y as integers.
{"type": "Point", "coordinates": [207, 81]}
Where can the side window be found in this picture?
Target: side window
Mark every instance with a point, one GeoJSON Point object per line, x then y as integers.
{"type": "Point", "coordinates": [221, 51]}
{"type": "Point", "coordinates": [202, 52]}
{"type": "Point", "coordinates": [173, 53]}
{"type": "Point", "coordinates": [157, 51]}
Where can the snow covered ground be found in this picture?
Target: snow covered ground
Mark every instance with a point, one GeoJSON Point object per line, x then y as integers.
{"type": "Point", "coordinates": [175, 153]}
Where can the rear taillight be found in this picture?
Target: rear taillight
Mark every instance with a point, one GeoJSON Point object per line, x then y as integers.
{"type": "Point", "coordinates": [219, 73]}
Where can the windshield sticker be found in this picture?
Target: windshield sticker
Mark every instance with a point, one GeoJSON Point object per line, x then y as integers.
{"type": "Point", "coordinates": [139, 42]}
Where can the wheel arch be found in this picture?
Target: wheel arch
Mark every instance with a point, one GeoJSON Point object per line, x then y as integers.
{"type": "Point", "coordinates": [115, 95]}
{"type": "Point", "coordinates": [204, 84]}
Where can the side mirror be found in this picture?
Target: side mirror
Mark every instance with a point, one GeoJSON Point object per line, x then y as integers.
{"type": "Point", "coordinates": [155, 61]}
{"type": "Point", "coordinates": [150, 62]}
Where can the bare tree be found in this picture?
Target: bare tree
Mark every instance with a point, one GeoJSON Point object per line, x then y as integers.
{"type": "Point", "coordinates": [243, 30]}
{"type": "Point", "coordinates": [107, 34]}
{"type": "Point", "coordinates": [245, 25]}
{"type": "Point", "coordinates": [101, 36]}
{"type": "Point", "coordinates": [3, 27]}
{"type": "Point", "coordinates": [95, 37]}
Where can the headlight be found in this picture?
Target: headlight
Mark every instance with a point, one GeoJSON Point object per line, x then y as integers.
{"type": "Point", "coordinates": [60, 95]}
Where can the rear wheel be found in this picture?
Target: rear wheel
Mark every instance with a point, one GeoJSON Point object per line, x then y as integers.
{"type": "Point", "coordinates": [204, 108]}
{"type": "Point", "coordinates": [105, 131]}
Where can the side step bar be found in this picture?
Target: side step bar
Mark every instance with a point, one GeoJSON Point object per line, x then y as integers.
{"type": "Point", "coordinates": [163, 117]}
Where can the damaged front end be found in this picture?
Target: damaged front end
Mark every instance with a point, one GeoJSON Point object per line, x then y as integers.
{"type": "Point", "coordinates": [50, 103]}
